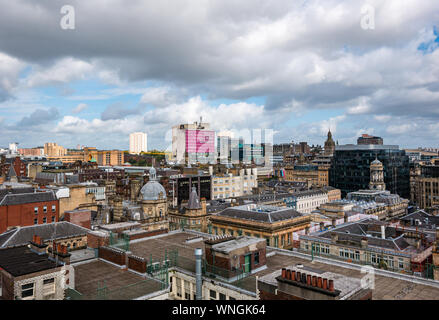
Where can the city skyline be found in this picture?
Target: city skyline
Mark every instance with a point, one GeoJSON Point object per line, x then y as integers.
{"type": "Point", "coordinates": [299, 69]}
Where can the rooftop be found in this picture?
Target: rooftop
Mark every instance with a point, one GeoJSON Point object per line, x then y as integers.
{"type": "Point", "coordinates": [49, 231]}
{"type": "Point", "coordinates": [97, 280]}
{"type": "Point", "coordinates": [22, 198]}
{"type": "Point", "coordinates": [240, 242]}
{"type": "Point", "coordinates": [22, 260]}
{"type": "Point", "coordinates": [386, 287]}
{"type": "Point", "coordinates": [260, 213]}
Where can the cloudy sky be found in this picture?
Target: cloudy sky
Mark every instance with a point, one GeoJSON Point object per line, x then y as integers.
{"type": "Point", "coordinates": [297, 67]}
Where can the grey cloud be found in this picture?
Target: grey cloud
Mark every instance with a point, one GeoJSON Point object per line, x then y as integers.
{"type": "Point", "coordinates": [118, 111]}
{"type": "Point", "coordinates": [38, 117]}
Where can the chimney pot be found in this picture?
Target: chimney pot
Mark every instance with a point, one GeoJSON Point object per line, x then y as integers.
{"type": "Point", "coordinates": [293, 275]}
{"type": "Point", "coordinates": [308, 279]}
{"type": "Point", "coordinates": [288, 273]}
{"type": "Point", "coordinates": [284, 273]}
{"type": "Point", "coordinates": [331, 285]}
{"type": "Point", "coordinates": [298, 276]}
{"type": "Point", "coordinates": [303, 277]}
{"type": "Point", "coordinates": [314, 281]}
{"type": "Point", "coordinates": [319, 282]}
{"type": "Point", "coordinates": [325, 284]}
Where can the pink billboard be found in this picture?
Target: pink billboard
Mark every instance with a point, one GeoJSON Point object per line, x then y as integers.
{"type": "Point", "coordinates": [200, 141]}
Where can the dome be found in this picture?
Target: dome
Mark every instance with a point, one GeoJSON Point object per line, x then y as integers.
{"type": "Point", "coordinates": [153, 190]}
{"type": "Point", "coordinates": [376, 162]}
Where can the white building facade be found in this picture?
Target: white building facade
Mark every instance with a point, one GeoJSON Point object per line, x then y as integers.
{"type": "Point", "coordinates": [227, 186]}
{"type": "Point", "coordinates": [138, 142]}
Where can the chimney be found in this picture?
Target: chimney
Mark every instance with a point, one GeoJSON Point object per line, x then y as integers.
{"type": "Point", "coordinates": [383, 232]}
{"type": "Point", "coordinates": [331, 285]}
{"type": "Point", "coordinates": [303, 280]}
{"type": "Point", "coordinates": [62, 253]}
{"type": "Point", "coordinates": [284, 273]}
{"type": "Point", "coordinates": [325, 284]}
{"type": "Point", "coordinates": [314, 281]}
{"type": "Point", "coordinates": [293, 275]}
{"type": "Point", "coordinates": [198, 276]}
{"type": "Point", "coordinates": [308, 279]}
{"type": "Point", "coordinates": [37, 245]}
{"type": "Point", "coordinates": [319, 282]}
{"type": "Point", "coordinates": [298, 276]}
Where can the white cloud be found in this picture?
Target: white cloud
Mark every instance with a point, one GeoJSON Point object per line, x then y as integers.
{"type": "Point", "coordinates": [80, 107]}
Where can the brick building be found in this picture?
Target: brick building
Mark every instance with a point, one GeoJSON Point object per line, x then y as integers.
{"type": "Point", "coordinates": [20, 166]}
{"type": "Point", "coordinates": [31, 274]}
{"type": "Point", "coordinates": [80, 217]}
{"type": "Point", "coordinates": [23, 207]}
{"type": "Point", "coordinates": [230, 257]}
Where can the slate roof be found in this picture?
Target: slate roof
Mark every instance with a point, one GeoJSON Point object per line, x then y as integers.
{"type": "Point", "coordinates": [23, 235]}
{"type": "Point", "coordinates": [22, 198]}
{"type": "Point", "coordinates": [21, 260]}
{"type": "Point", "coordinates": [370, 229]}
{"type": "Point", "coordinates": [425, 218]}
{"type": "Point", "coordinates": [273, 216]}
{"type": "Point", "coordinates": [4, 192]}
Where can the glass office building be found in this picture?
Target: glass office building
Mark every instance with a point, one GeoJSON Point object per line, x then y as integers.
{"type": "Point", "coordinates": [350, 168]}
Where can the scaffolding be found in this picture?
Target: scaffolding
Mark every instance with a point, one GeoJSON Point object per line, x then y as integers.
{"type": "Point", "coordinates": [159, 268]}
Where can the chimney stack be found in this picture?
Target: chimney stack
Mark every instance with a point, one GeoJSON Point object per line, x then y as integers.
{"type": "Point", "coordinates": [325, 284]}
{"type": "Point", "coordinates": [331, 285]}
{"type": "Point", "coordinates": [37, 245]}
{"type": "Point", "coordinates": [62, 253]}
{"type": "Point", "coordinates": [314, 281]}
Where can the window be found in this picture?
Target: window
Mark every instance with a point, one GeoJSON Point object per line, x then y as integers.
{"type": "Point", "coordinates": [212, 295]}
{"type": "Point", "coordinates": [44, 220]}
{"type": "Point", "coordinates": [35, 221]}
{"type": "Point", "coordinates": [45, 209]}
{"type": "Point", "coordinates": [53, 219]}
{"type": "Point", "coordinates": [400, 263]}
{"type": "Point", "coordinates": [53, 208]}
{"type": "Point", "coordinates": [48, 286]}
{"type": "Point", "coordinates": [256, 258]}
{"type": "Point", "coordinates": [27, 290]}
{"type": "Point", "coordinates": [36, 210]}
{"type": "Point", "coordinates": [231, 298]}
{"type": "Point", "coordinates": [222, 296]}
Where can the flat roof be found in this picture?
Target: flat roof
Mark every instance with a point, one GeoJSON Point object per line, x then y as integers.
{"type": "Point", "coordinates": [348, 147]}
{"type": "Point", "coordinates": [240, 242]}
{"type": "Point", "coordinates": [119, 284]}
{"type": "Point", "coordinates": [22, 260]}
{"type": "Point", "coordinates": [386, 288]}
